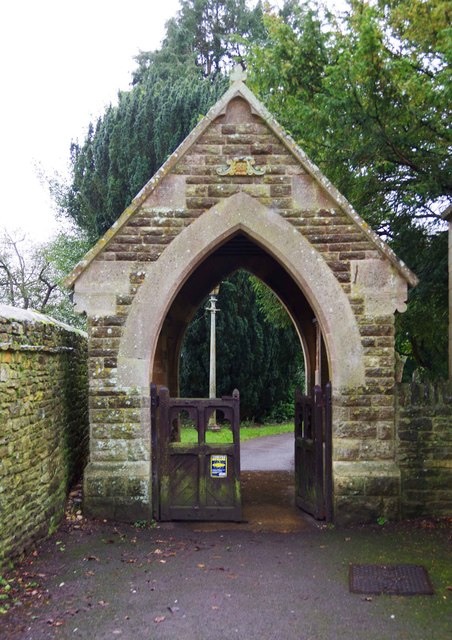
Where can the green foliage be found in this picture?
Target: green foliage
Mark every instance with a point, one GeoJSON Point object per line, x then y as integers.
{"type": "Point", "coordinates": [262, 361]}
{"type": "Point", "coordinates": [367, 97]}
{"type": "Point", "coordinates": [62, 254]}
{"type": "Point", "coordinates": [207, 35]}
{"type": "Point", "coordinates": [422, 331]}
{"type": "Point", "coordinates": [270, 305]}
{"type": "Point", "coordinates": [129, 143]}
{"type": "Point", "coordinates": [171, 88]}
{"type": "Point", "coordinates": [31, 276]}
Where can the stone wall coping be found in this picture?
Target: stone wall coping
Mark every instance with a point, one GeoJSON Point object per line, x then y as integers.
{"type": "Point", "coordinates": [12, 346]}
{"type": "Point", "coordinates": [239, 90]}
{"type": "Point", "coordinates": [16, 314]}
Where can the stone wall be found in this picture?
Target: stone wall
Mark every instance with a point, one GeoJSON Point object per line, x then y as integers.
{"type": "Point", "coordinates": [424, 448]}
{"type": "Point", "coordinates": [43, 424]}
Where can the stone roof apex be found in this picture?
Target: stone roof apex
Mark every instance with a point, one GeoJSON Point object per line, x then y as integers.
{"type": "Point", "coordinates": [238, 89]}
{"type": "Point", "coordinates": [238, 74]}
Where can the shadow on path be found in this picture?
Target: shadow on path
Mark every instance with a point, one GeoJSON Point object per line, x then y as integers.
{"type": "Point", "coordinates": [268, 504]}
{"type": "Point", "coordinates": [268, 494]}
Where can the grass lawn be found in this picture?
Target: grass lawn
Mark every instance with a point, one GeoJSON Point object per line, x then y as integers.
{"type": "Point", "coordinates": [189, 434]}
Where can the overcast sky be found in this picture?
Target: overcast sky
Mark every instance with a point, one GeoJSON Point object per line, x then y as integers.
{"type": "Point", "coordinates": [61, 63]}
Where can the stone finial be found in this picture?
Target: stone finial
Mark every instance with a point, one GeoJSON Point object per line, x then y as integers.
{"type": "Point", "coordinates": [238, 74]}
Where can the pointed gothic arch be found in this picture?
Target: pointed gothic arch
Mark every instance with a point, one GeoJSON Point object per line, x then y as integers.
{"type": "Point", "coordinates": [179, 260]}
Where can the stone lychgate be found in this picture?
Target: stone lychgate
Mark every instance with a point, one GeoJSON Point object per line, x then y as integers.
{"type": "Point", "coordinates": [239, 192]}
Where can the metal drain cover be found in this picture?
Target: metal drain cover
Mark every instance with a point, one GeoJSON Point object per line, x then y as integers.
{"type": "Point", "coordinates": [392, 579]}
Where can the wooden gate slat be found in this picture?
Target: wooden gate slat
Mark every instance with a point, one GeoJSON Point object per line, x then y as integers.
{"type": "Point", "coordinates": [313, 459]}
{"type": "Point", "coordinates": [328, 453]}
{"type": "Point", "coordinates": [185, 490]}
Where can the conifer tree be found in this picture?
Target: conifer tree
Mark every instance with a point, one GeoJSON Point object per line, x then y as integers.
{"type": "Point", "coordinates": [262, 360]}
{"type": "Point", "coordinates": [172, 88]}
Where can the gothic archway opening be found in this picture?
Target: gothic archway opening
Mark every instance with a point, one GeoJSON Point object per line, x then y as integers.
{"type": "Point", "coordinates": [233, 262]}
{"type": "Point", "coordinates": [238, 252]}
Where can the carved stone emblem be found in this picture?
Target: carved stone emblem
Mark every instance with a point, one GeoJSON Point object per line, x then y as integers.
{"type": "Point", "coordinates": [241, 166]}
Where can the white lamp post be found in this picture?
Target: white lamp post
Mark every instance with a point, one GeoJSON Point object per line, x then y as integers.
{"type": "Point", "coordinates": [213, 351]}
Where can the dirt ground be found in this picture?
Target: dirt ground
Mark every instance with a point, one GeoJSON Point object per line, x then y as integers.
{"type": "Point", "coordinates": [279, 575]}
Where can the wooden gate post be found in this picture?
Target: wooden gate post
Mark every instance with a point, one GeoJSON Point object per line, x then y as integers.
{"type": "Point", "coordinates": [163, 436]}
{"type": "Point", "coordinates": [328, 457]}
{"type": "Point", "coordinates": [318, 452]}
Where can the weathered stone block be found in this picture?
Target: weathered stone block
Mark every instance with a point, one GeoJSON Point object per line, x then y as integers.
{"type": "Point", "coordinates": [363, 509]}
{"type": "Point", "coordinates": [349, 486]}
{"type": "Point", "coordinates": [382, 486]}
{"type": "Point", "coordinates": [345, 449]}
{"type": "Point", "coordinates": [424, 455]}
{"type": "Point", "coordinates": [356, 430]}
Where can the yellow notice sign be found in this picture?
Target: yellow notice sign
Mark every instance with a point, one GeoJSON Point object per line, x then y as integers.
{"type": "Point", "coordinates": [218, 466]}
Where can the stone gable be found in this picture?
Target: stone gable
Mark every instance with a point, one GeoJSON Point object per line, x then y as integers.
{"type": "Point", "coordinates": [195, 186]}
{"type": "Point", "coordinates": [126, 283]}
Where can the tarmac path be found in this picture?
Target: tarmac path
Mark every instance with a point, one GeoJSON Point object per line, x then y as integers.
{"type": "Point", "coordinates": [110, 580]}
{"type": "Point", "coordinates": [276, 576]}
{"type": "Point", "coordinates": [270, 453]}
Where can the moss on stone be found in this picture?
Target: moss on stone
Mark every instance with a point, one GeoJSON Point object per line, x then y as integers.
{"type": "Point", "coordinates": [44, 417]}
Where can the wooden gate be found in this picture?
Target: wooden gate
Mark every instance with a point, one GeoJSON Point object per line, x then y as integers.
{"type": "Point", "coordinates": [313, 449]}
{"type": "Point", "coordinates": [194, 477]}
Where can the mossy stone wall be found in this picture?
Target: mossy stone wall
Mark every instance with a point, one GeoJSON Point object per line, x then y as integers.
{"type": "Point", "coordinates": [44, 425]}
{"type": "Point", "coordinates": [424, 448]}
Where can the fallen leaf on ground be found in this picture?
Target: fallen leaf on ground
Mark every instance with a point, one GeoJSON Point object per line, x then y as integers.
{"type": "Point", "coordinates": [55, 623]}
